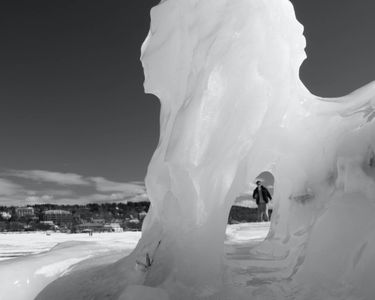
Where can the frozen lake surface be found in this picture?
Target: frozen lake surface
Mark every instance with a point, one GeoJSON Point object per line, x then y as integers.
{"type": "Point", "coordinates": [13, 245]}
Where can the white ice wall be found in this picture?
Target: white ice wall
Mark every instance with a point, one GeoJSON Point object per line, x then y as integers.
{"type": "Point", "coordinates": [212, 64]}
{"type": "Point", "coordinates": [232, 105]}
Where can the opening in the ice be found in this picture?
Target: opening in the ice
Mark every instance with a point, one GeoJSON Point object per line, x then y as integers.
{"type": "Point", "coordinates": [249, 218]}
{"type": "Point", "coordinates": [245, 208]}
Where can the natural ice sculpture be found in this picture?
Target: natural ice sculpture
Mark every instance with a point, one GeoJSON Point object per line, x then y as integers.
{"type": "Point", "coordinates": [232, 105]}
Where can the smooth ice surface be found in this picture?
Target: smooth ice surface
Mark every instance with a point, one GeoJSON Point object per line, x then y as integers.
{"type": "Point", "coordinates": [232, 106]}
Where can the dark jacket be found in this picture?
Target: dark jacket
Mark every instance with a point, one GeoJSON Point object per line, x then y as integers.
{"type": "Point", "coordinates": [266, 194]}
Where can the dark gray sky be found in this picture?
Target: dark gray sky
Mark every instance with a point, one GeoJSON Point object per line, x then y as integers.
{"type": "Point", "coordinates": [71, 83]}
{"type": "Point", "coordinates": [340, 44]}
{"type": "Point", "coordinates": [71, 87]}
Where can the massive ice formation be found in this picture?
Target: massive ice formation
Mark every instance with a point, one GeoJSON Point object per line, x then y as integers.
{"type": "Point", "coordinates": [232, 105]}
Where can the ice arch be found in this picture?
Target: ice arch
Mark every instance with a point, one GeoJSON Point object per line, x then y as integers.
{"type": "Point", "coordinates": [232, 105]}
{"type": "Point", "coordinates": [245, 198]}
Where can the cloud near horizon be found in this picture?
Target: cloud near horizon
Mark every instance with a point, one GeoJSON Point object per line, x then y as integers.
{"type": "Point", "coordinates": [103, 198]}
{"type": "Point", "coordinates": [8, 188]}
{"type": "Point", "coordinates": [104, 185]}
{"type": "Point", "coordinates": [47, 176]}
{"type": "Point", "coordinates": [70, 189]}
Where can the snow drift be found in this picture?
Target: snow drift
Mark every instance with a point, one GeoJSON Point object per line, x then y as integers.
{"type": "Point", "coordinates": [232, 105]}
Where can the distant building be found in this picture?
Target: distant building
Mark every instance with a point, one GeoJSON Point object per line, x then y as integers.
{"type": "Point", "coordinates": [25, 212]}
{"type": "Point", "coordinates": [114, 227]}
{"type": "Point", "coordinates": [47, 223]}
{"type": "Point", "coordinates": [58, 216]}
{"type": "Point", "coordinates": [93, 227]}
{"type": "Point", "coordinates": [132, 224]}
{"type": "Point", "coordinates": [134, 221]}
{"type": "Point", "coordinates": [98, 220]}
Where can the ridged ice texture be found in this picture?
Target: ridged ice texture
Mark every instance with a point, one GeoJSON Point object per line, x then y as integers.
{"type": "Point", "coordinates": [232, 105]}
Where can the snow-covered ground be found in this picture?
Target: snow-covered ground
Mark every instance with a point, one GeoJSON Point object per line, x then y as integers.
{"type": "Point", "coordinates": [58, 254]}
{"type": "Point", "coordinates": [55, 255]}
{"type": "Point", "coordinates": [246, 233]}
{"type": "Point", "coordinates": [13, 245]}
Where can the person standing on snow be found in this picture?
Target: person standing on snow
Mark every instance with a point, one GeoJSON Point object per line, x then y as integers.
{"type": "Point", "coordinates": [262, 196]}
